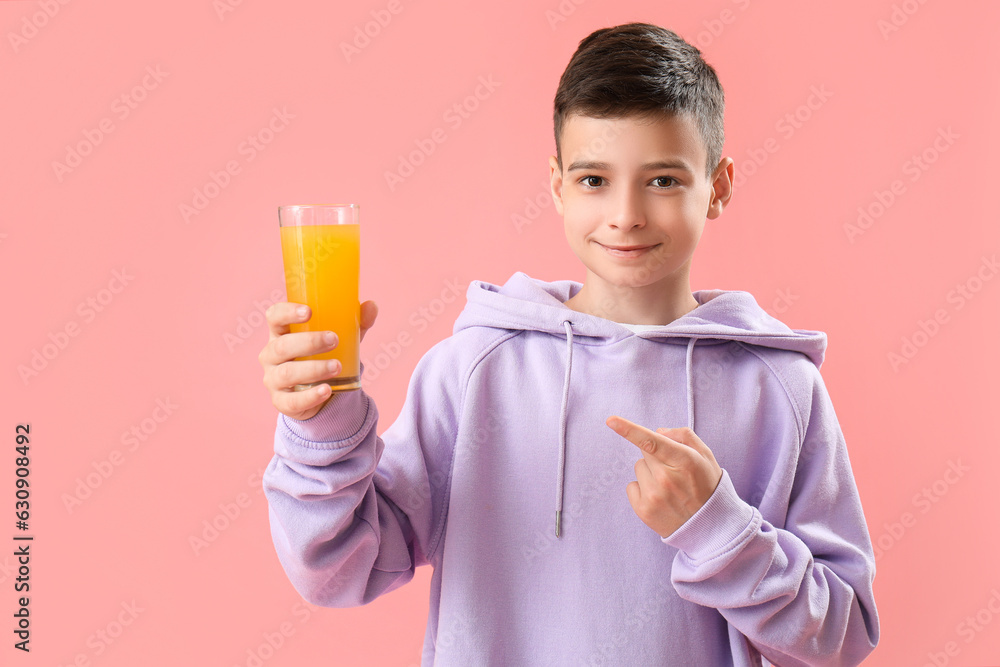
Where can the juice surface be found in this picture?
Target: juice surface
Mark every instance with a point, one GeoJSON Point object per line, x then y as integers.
{"type": "Point", "coordinates": [322, 264]}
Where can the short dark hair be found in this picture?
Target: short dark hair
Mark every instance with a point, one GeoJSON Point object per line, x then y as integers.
{"type": "Point", "coordinates": [639, 69]}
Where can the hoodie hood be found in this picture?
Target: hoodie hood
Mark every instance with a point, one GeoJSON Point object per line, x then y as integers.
{"type": "Point", "coordinates": [525, 303]}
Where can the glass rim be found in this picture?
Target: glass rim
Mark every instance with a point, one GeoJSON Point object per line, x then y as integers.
{"type": "Point", "coordinates": [289, 206]}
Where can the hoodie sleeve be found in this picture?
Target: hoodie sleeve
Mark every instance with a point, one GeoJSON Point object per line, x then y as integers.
{"type": "Point", "coordinates": [802, 592]}
{"type": "Point", "coordinates": [353, 514]}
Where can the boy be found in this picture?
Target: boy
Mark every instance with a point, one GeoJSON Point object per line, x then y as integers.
{"type": "Point", "coordinates": [738, 533]}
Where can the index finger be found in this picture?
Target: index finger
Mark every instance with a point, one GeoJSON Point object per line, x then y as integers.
{"type": "Point", "coordinates": [280, 315]}
{"type": "Point", "coordinates": [649, 441]}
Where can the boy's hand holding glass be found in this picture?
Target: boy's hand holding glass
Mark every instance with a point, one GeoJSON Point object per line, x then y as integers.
{"type": "Point", "coordinates": [315, 337]}
{"type": "Point", "coordinates": [282, 372]}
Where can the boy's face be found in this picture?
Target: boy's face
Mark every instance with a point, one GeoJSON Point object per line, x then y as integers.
{"type": "Point", "coordinates": [636, 182]}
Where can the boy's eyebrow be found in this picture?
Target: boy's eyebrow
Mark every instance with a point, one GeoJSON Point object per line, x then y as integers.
{"type": "Point", "coordinates": [649, 166]}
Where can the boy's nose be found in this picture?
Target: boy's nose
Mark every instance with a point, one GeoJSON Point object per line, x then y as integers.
{"type": "Point", "coordinates": [627, 212]}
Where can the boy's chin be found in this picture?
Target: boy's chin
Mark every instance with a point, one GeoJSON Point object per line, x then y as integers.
{"type": "Point", "coordinates": [622, 278]}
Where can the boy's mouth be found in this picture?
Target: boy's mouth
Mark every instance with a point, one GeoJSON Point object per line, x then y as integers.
{"type": "Point", "coordinates": [627, 250]}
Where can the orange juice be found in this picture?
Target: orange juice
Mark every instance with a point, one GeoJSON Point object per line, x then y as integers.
{"type": "Point", "coordinates": [322, 265]}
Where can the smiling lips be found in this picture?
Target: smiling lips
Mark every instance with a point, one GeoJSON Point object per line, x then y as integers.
{"type": "Point", "coordinates": [627, 250]}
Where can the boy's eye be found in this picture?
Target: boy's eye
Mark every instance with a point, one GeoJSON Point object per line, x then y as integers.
{"type": "Point", "coordinates": [659, 181]}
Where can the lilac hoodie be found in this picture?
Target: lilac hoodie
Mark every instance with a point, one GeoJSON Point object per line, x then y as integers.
{"type": "Point", "coordinates": [503, 431]}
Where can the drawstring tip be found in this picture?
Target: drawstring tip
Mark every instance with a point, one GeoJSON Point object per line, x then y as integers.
{"type": "Point", "coordinates": [558, 521]}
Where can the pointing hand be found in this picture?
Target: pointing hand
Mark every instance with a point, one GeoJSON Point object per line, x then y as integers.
{"type": "Point", "coordinates": [675, 476]}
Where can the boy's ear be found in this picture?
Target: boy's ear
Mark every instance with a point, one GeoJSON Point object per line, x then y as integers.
{"type": "Point", "coordinates": [556, 182]}
{"type": "Point", "coordinates": [722, 188]}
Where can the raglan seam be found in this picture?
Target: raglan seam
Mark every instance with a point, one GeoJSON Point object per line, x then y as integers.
{"type": "Point", "coordinates": [799, 422]}
{"type": "Point", "coordinates": [446, 501]}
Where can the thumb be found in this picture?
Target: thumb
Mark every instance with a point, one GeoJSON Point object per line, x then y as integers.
{"type": "Point", "coordinates": [369, 311]}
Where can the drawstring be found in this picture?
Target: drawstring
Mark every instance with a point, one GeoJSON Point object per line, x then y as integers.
{"type": "Point", "coordinates": [690, 354]}
{"type": "Point", "coordinates": [565, 403]}
{"type": "Point", "coordinates": [562, 428]}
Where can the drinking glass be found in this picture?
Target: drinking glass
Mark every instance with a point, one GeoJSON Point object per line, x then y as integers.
{"type": "Point", "coordinates": [321, 250]}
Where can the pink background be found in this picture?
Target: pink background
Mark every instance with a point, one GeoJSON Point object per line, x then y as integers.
{"type": "Point", "coordinates": [183, 327]}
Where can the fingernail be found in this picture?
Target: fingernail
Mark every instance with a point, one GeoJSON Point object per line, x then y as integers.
{"type": "Point", "coordinates": [332, 365]}
{"type": "Point", "coordinates": [302, 311]}
{"type": "Point", "coordinates": [329, 337]}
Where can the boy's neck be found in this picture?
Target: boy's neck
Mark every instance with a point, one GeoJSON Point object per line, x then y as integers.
{"type": "Point", "coordinates": [660, 303]}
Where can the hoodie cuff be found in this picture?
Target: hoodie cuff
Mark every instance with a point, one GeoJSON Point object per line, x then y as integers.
{"type": "Point", "coordinates": [340, 418]}
{"type": "Point", "coordinates": [719, 525]}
